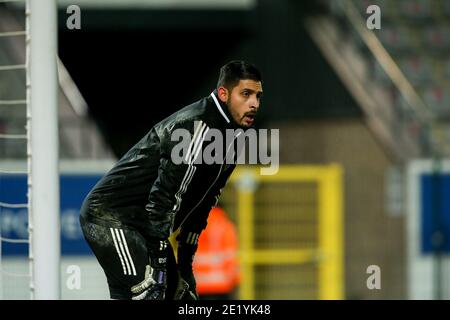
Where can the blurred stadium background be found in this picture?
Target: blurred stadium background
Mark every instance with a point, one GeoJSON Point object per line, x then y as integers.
{"type": "Point", "coordinates": [364, 134]}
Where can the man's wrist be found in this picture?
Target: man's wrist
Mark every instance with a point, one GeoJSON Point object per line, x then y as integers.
{"type": "Point", "coordinates": [186, 253]}
{"type": "Point", "coordinates": [158, 253]}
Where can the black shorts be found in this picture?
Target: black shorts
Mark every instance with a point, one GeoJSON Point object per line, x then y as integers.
{"type": "Point", "coordinates": [122, 253]}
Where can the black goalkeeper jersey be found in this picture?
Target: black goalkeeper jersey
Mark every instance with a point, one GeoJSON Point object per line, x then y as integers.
{"type": "Point", "coordinates": [146, 190]}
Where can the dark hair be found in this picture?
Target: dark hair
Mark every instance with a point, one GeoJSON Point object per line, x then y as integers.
{"type": "Point", "coordinates": [236, 70]}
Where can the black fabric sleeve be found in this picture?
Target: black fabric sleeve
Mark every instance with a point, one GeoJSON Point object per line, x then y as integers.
{"type": "Point", "coordinates": [191, 230]}
{"type": "Point", "coordinates": [166, 194]}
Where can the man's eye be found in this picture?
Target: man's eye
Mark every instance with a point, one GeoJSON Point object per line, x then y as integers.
{"type": "Point", "coordinates": [245, 93]}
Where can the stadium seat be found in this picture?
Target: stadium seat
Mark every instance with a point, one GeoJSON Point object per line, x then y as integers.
{"type": "Point", "coordinates": [416, 10]}
{"type": "Point", "coordinates": [436, 38]}
{"type": "Point", "coordinates": [446, 8]}
{"type": "Point", "coordinates": [446, 67]}
{"type": "Point", "coordinates": [417, 69]}
{"type": "Point", "coordinates": [437, 97]}
{"type": "Point", "coordinates": [397, 39]}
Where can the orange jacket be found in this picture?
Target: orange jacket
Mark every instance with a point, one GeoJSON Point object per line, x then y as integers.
{"type": "Point", "coordinates": [216, 262]}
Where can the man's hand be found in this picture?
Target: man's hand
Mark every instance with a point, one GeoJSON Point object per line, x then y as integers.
{"type": "Point", "coordinates": [187, 246]}
{"type": "Point", "coordinates": [185, 291]}
{"type": "Point", "coordinates": [153, 287]}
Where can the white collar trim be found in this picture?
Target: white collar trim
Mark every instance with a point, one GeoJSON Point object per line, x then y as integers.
{"type": "Point", "coordinates": [219, 107]}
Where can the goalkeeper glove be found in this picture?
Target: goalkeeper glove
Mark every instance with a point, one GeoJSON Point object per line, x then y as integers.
{"type": "Point", "coordinates": [184, 290]}
{"type": "Point", "coordinates": [154, 285]}
{"type": "Point", "coordinates": [186, 252]}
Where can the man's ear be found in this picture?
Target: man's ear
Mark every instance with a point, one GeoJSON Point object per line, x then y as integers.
{"type": "Point", "coordinates": [222, 92]}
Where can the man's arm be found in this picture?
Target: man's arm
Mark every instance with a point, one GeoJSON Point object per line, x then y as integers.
{"type": "Point", "coordinates": [188, 241]}
{"type": "Point", "coordinates": [164, 201]}
{"type": "Point", "coordinates": [167, 193]}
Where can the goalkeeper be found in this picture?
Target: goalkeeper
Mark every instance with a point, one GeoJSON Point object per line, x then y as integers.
{"type": "Point", "coordinates": [129, 215]}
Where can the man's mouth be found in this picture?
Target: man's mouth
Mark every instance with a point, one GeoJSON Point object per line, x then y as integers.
{"type": "Point", "coordinates": [249, 118]}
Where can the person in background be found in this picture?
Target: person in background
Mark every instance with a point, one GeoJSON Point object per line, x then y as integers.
{"type": "Point", "coordinates": [216, 264]}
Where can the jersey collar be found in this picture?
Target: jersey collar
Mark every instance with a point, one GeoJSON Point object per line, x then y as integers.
{"type": "Point", "coordinates": [219, 107]}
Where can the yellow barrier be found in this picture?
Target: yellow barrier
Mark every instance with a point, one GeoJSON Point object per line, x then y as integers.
{"type": "Point", "coordinates": [328, 254]}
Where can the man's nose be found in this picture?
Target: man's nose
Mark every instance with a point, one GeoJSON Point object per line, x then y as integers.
{"type": "Point", "coordinates": [254, 104]}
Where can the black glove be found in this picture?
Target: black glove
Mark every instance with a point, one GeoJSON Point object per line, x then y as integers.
{"type": "Point", "coordinates": [187, 287]}
{"type": "Point", "coordinates": [154, 285]}
{"type": "Point", "coordinates": [184, 290]}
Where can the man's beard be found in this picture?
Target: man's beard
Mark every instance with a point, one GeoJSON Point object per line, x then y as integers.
{"type": "Point", "coordinates": [241, 122]}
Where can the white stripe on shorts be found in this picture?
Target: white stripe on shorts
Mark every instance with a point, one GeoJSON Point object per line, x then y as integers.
{"type": "Point", "coordinates": [118, 250]}
{"type": "Point", "coordinates": [128, 252]}
{"type": "Point", "coordinates": [119, 240]}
